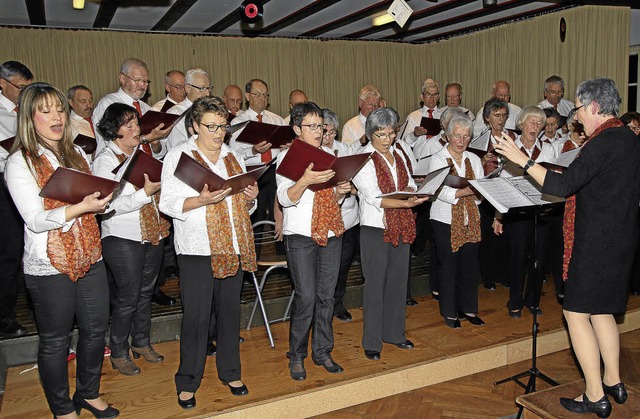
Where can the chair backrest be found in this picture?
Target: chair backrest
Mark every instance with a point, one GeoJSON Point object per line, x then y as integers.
{"type": "Point", "coordinates": [264, 233]}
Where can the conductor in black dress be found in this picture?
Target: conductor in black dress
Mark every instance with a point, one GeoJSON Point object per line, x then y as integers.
{"type": "Point", "coordinates": [600, 237]}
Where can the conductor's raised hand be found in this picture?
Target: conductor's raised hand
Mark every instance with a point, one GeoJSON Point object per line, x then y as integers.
{"type": "Point", "coordinates": [508, 148]}
{"type": "Point", "coordinates": [312, 177]}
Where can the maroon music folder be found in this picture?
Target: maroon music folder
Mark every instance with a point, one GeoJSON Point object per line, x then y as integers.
{"type": "Point", "coordinates": [71, 186]}
{"type": "Point", "coordinates": [196, 176]}
{"type": "Point", "coordinates": [141, 163]}
{"type": "Point", "coordinates": [86, 143]}
{"type": "Point", "coordinates": [432, 125]}
{"type": "Point", "coordinates": [457, 182]}
{"type": "Point", "coordinates": [8, 143]}
{"type": "Point", "coordinates": [301, 154]}
{"type": "Point", "coordinates": [257, 132]}
{"type": "Point", "coordinates": [152, 119]}
{"type": "Point", "coordinates": [167, 105]}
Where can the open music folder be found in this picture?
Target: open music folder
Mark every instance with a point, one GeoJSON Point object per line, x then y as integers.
{"type": "Point", "coordinates": [152, 119]}
{"type": "Point", "coordinates": [196, 176]}
{"type": "Point", "coordinates": [429, 187]}
{"type": "Point", "coordinates": [86, 143]}
{"type": "Point", "coordinates": [562, 161]}
{"type": "Point", "coordinates": [506, 193]}
{"type": "Point", "coordinates": [71, 186]}
{"type": "Point", "coordinates": [301, 154]}
{"type": "Point", "coordinates": [432, 125]}
{"type": "Point", "coordinates": [257, 132]}
{"type": "Point", "coordinates": [138, 164]}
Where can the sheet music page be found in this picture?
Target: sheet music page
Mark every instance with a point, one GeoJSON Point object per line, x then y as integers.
{"type": "Point", "coordinates": [433, 181]}
{"type": "Point", "coordinates": [502, 194]}
{"type": "Point", "coordinates": [532, 190]}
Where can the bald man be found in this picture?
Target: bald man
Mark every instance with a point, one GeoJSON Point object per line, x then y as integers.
{"type": "Point", "coordinates": [295, 97]}
{"type": "Point", "coordinates": [232, 98]}
{"type": "Point", "coordinates": [501, 90]}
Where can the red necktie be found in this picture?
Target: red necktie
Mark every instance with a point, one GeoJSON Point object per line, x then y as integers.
{"type": "Point", "coordinates": [88, 119]}
{"type": "Point", "coordinates": [266, 157]}
{"type": "Point", "coordinates": [145, 147]}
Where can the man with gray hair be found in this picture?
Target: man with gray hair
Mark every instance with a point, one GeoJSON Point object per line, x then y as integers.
{"type": "Point", "coordinates": [197, 85]}
{"type": "Point", "coordinates": [134, 80]}
{"type": "Point", "coordinates": [411, 131]}
{"type": "Point", "coordinates": [368, 101]}
{"type": "Point", "coordinates": [81, 103]}
{"type": "Point", "coordinates": [554, 96]}
{"type": "Point", "coordinates": [174, 86]}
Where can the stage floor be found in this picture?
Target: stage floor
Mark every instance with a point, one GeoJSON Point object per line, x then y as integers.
{"type": "Point", "coordinates": [441, 354]}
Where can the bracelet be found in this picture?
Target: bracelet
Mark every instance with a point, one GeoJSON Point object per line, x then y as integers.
{"type": "Point", "coordinates": [527, 166]}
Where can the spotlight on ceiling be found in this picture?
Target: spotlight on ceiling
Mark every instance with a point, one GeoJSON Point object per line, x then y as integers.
{"type": "Point", "coordinates": [78, 4]}
{"type": "Point", "coordinates": [489, 3]}
{"type": "Point", "coordinates": [251, 11]}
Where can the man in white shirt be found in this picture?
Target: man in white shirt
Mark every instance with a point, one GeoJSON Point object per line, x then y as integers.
{"type": "Point", "coordinates": [554, 96]}
{"type": "Point", "coordinates": [232, 98]}
{"type": "Point", "coordinates": [134, 80]}
{"type": "Point", "coordinates": [174, 86]}
{"type": "Point", "coordinates": [197, 85]}
{"type": "Point", "coordinates": [295, 97]}
{"type": "Point", "coordinates": [368, 101]}
{"type": "Point", "coordinates": [257, 94]}
{"type": "Point", "coordinates": [411, 131]}
{"type": "Point", "coordinates": [14, 76]}
{"type": "Point", "coordinates": [501, 90]}
{"type": "Point", "coordinates": [453, 99]}
{"type": "Point", "coordinates": [81, 103]}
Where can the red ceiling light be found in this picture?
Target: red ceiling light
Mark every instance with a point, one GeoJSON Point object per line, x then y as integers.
{"type": "Point", "coordinates": [251, 11]}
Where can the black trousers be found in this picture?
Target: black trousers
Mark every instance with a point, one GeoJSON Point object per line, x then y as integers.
{"type": "Point", "coordinates": [267, 189]}
{"type": "Point", "coordinates": [459, 273]}
{"type": "Point", "coordinates": [201, 293]}
{"type": "Point", "coordinates": [551, 239]}
{"type": "Point", "coordinates": [493, 249]}
{"type": "Point", "coordinates": [11, 248]}
{"type": "Point", "coordinates": [350, 240]}
{"type": "Point", "coordinates": [384, 298]}
{"type": "Point", "coordinates": [56, 301]}
{"type": "Point", "coordinates": [314, 272]}
{"type": "Point", "coordinates": [518, 232]}
{"type": "Point", "coordinates": [135, 267]}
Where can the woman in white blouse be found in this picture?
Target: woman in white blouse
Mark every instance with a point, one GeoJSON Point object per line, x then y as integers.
{"type": "Point", "coordinates": [387, 229]}
{"type": "Point", "coordinates": [214, 244]}
{"type": "Point", "coordinates": [132, 240]}
{"type": "Point", "coordinates": [455, 221]}
{"type": "Point", "coordinates": [62, 259]}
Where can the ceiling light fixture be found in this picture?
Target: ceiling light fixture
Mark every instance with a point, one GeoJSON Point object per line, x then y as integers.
{"type": "Point", "coordinates": [381, 19]}
{"type": "Point", "coordinates": [489, 3]}
{"type": "Point", "coordinates": [78, 4]}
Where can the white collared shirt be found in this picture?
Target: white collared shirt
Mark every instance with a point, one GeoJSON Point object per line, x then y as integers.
{"type": "Point", "coordinates": [564, 106]}
{"type": "Point", "coordinates": [413, 120]}
{"type": "Point", "coordinates": [38, 222]}
{"type": "Point", "coordinates": [244, 149]}
{"type": "Point", "coordinates": [79, 125]}
{"type": "Point", "coordinates": [426, 147]}
{"type": "Point", "coordinates": [353, 130]}
{"type": "Point", "coordinates": [120, 97]}
{"type": "Point", "coordinates": [8, 122]}
{"type": "Point", "coordinates": [160, 104]}
{"type": "Point", "coordinates": [441, 207]}
{"type": "Point", "coordinates": [479, 125]}
{"type": "Point", "coordinates": [349, 207]}
{"type": "Point", "coordinates": [179, 132]}
{"type": "Point", "coordinates": [371, 213]}
{"type": "Point", "coordinates": [122, 217]}
{"type": "Point", "coordinates": [191, 237]}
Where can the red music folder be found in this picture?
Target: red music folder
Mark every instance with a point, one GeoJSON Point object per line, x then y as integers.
{"type": "Point", "coordinates": [257, 132]}
{"type": "Point", "coordinates": [141, 163]}
{"type": "Point", "coordinates": [8, 143]}
{"type": "Point", "coordinates": [86, 143]}
{"type": "Point", "coordinates": [432, 125]}
{"type": "Point", "coordinates": [152, 119]}
{"type": "Point", "coordinates": [196, 176]}
{"type": "Point", "coordinates": [71, 186]}
{"type": "Point", "coordinates": [301, 154]}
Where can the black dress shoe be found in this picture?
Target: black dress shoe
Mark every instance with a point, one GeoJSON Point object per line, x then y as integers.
{"type": "Point", "coordinates": [452, 323]}
{"type": "Point", "coordinates": [297, 371]}
{"type": "Point", "coordinates": [536, 310]}
{"type": "Point", "coordinates": [329, 365]}
{"type": "Point", "coordinates": [474, 320]}
{"type": "Point", "coordinates": [80, 403]}
{"type": "Point", "coordinates": [10, 328]}
{"type": "Point", "coordinates": [211, 349]}
{"type": "Point", "coordinates": [411, 302]}
{"type": "Point", "coordinates": [344, 316]}
{"type": "Point", "coordinates": [560, 298]}
{"type": "Point", "coordinates": [515, 314]}
{"type": "Point", "coordinates": [602, 407]}
{"type": "Point", "coordinates": [375, 355]}
{"type": "Point", "coordinates": [187, 404]}
{"type": "Point", "coordinates": [435, 296]}
{"type": "Point", "coordinates": [241, 339]}
{"type": "Point", "coordinates": [237, 391]}
{"type": "Point", "coordinates": [618, 392]}
{"type": "Point", "coordinates": [163, 299]}
{"type": "Point", "coordinates": [407, 344]}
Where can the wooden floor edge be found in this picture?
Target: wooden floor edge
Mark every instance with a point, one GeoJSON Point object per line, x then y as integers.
{"type": "Point", "coordinates": [362, 390]}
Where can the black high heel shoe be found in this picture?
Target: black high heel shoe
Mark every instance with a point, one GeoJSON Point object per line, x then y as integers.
{"type": "Point", "coordinates": [602, 407]}
{"type": "Point", "coordinates": [187, 404]}
{"type": "Point", "coordinates": [108, 413]}
{"type": "Point", "coordinates": [618, 392]}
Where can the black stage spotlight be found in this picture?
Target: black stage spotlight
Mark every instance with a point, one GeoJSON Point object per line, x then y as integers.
{"type": "Point", "coordinates": [251, 11]}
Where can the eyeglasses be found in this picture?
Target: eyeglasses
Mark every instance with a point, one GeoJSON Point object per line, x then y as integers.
{"type": "Point", "coordinates": [215, 128]}
{"type": "Point", "coordinates": [176, 86]}
{"type": "Point", "coordinates": [577, 108]}
{"type": "Point", "coordinates": [313, 127]}
{"type": "Point", "coordinates": [555, 92]}
{"type": "Point", "coordinates": [385, 135]}
{"type": "Point", "coordinates": [459, 137]}
{"type": "Point", "coordinates": [201, 88]}
{"type": "Point", "coordinates": [374, 105]}
{"type": "Point", "coordinates": [500, 115]}
{"type": "Point", "coordinates": [331, 133]}
{"type": "Point", "coordinates": [431, 95]}
{"type": "Point", "coordinates": [138, 81]}
{"type": "Point", "coordinates": [258, 95]}
{"type": "Point", "coordinates": [17, 87]}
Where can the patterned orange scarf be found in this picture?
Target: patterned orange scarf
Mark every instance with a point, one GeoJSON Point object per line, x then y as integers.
{"type": "Point", "coordinates": [461, 233]}
{"type": "Point", "coordinates": [74, 251]}
{"type": "Point", "coordinates": [325, 216]}
{"type": "Point", "coordinates": [569, 224]}
{"type": "Point", "coordinates": [154, 225]}
{"type": "Point", "coordinates": [224, 260]}
{"type": "Point", "coordinates": [397, 221]}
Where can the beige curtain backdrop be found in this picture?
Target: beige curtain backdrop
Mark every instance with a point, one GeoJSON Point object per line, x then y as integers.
{"type": "Point", "coordinates": [332, 72]}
